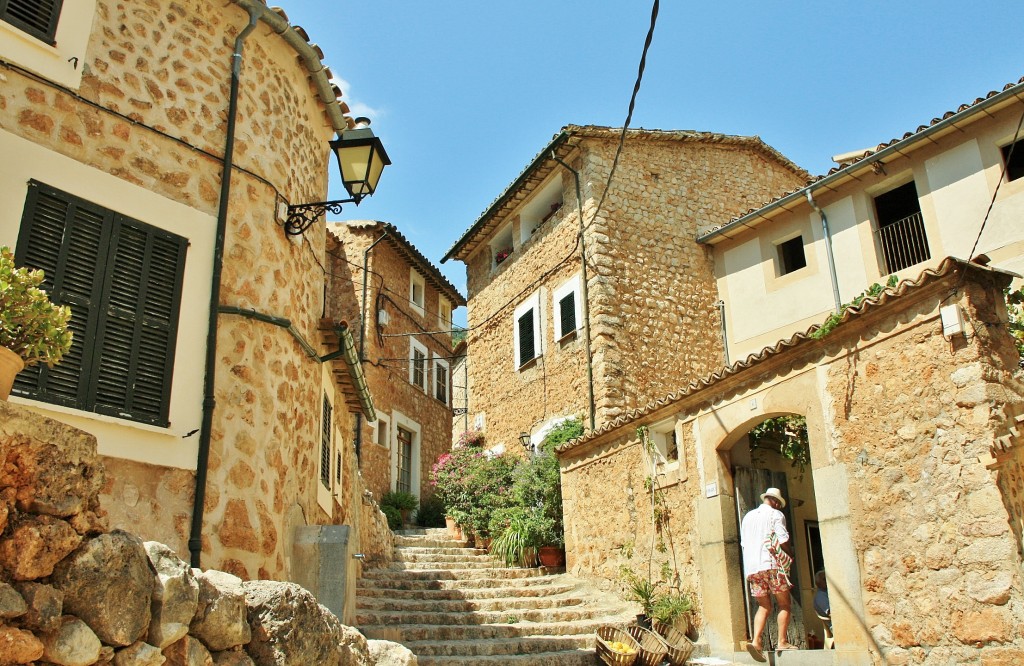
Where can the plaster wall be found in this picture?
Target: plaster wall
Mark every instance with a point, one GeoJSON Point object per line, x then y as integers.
{"type": "Point", "coordinates": [955, 180]}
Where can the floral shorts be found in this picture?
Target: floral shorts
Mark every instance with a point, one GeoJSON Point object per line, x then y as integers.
{"type": "Point", "coordinates": [772, 581]}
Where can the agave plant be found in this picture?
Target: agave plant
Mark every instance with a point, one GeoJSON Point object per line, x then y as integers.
{"type": "Point", "coordinates": [30, 325]}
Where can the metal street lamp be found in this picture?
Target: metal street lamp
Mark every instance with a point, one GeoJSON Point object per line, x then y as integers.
{"type": "Point", "coordinates": [524, 439]}
{"type": "Point", "coordinates": [361, 158]}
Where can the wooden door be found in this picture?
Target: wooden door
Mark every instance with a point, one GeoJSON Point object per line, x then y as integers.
{"type": "Point", "coordinates": [749, 484]}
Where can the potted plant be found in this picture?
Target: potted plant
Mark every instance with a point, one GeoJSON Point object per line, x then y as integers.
{"type": "Point", "coordinates": [673, 609]}
{"type": "Point", "coordinates": [519, 533]}
{"type": "Point", "coordinates": [32, 329]}
{"type": "Point", "coordinates": [404, 502]}
{"type": "Point", "coordinates": [642, 591]}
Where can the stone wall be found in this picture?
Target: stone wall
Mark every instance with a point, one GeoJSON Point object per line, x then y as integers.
{"type": "Point", "coordinates": [651, 287]}
{"type": "Point", "coordinates": [919, 522]}
{"type": "Point", "coordinates": [73, 593]}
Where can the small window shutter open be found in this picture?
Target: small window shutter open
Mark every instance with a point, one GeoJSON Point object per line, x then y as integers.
{"type": "Point", "coordinates": [441, 373]}
{"type": "Point", "coordinates": [567, 314]}
{"type": "Point", "coordinates": [325, 444]}
{"type": "Point", "coordinates": [36, 17]}
{"type": "Point", "coordinates": [527, 348]}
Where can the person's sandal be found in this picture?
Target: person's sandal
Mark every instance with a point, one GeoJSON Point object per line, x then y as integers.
{"type": "Point", "coordinates": [758, 655]}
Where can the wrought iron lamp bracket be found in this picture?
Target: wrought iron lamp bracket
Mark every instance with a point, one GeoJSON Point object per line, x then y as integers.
{"type": "Point", "coordinates": [302, 216]}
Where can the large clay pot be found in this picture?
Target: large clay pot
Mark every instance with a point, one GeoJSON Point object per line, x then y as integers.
{"type": "Point", "coordinates": [552, 557]}
{"type": "Point", "coordinates": [453, 528]}
{"type": "Point", "coordinates": [10, 365]}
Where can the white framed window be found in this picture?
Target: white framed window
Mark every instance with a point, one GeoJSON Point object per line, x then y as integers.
{"type": "Point", "coordinates": [567, 308]}
{"type": "Point", "coordinates": [442, 381]}
{"type": "Point", "coordinates": [663, 436]}
{"type": "Point", "coordinates": [541, 208]}
{"type": "Point", "coordinates": [501, 246]}
{"type": "Point", "coordinates": [382, 432]}
{"type": "Point", "coordinates": [444, 314]}
{"type": "Point", "coordinates": [418, 364]}
{"type": "Point", "coordinates": [528, 331]}
{"type": "Point", "coordinates": [417, 291]}
{"type": "Point", "coordinates": [328, 442]}
{"type": "Point", "coordinates": [405, 455]}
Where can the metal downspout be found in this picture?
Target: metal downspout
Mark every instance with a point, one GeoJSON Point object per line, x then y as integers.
{"type": "Point", "coordinates": [195, 540]}
{"type": "Point", "coordinates": [725, 331]}
{"type": "Point", "coordinates": [586, 293]}
{"type": "Point", "coordinates": [828, 251]}
{"type": "Point", "coordinates": [358, 443]}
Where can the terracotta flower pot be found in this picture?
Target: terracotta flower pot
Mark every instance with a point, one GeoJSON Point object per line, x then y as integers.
{"type": "Point", "coordinates": [552, 556]}
{"type": "Point", "coordinates": [453, 528]}
{"type": "Point", "coordinates": [10, 365]}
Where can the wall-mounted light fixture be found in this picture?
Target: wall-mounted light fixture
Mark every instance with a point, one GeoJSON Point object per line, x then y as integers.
{"type": "Point", "coordinates": [361, 158]}
{"type": "Point", "coordinates": [524, 439]}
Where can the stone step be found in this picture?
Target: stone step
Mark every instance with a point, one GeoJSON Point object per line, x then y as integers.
{"type": "Point", "coordinates": [502, 646]}
{"type": "Point", "coordinates": [508, 603]}
{"type": "Point", "coordinates": [462, 593]}
{"type": "Point", "coordinates": [425, 542]}
{"type": "Point", "coordinates": [398, 617]}
{"type": "Point", "coordinates": [505, 630]}
{"type": "Point", "coordinates": [408, 552]}
{"type": "Point", "coordinates": [490, 574]}
{"type": "Point", "coordinates": [454, 564]}
{"type": "Point", "coordinates": [573, 658]}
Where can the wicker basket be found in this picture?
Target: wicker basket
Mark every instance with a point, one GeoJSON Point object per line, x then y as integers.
{"type": "Point", "coordinates": [652, 648]}
{"type": "Point", "coordinates": [679, 646]}
{"type": "Point", "coordinates": [609, 656]}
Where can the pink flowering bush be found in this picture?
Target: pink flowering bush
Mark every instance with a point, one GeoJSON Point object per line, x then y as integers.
{"type": "Point", "coordinates": [473, 485]}
{"type": "Point", "coordinates": [471, 438]}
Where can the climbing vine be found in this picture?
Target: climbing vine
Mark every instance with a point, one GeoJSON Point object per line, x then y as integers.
{"type": "Point", "coordinates": [785, 435]}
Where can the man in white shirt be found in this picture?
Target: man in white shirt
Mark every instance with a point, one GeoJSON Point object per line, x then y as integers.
{"type": "Point", "coordinates": [767, 556]}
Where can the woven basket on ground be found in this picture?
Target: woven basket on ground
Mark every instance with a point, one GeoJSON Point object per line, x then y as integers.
{"type": "Point", "coordinates": [679, 646]}
{"type": "Point", "coordinates": [610, 657]}
{"type": "Point", "coordinates": [652, 648]}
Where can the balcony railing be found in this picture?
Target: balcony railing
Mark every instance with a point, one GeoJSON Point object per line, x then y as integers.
{"type": "Point", "coordinates": [904, 243]}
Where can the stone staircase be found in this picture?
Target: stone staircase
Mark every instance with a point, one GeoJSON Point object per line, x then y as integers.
{"type": "Point", "coordinates": [454, 605]}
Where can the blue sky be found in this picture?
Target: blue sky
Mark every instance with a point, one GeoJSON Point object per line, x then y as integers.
{"type": "Point", "coordinates": [464, 94]}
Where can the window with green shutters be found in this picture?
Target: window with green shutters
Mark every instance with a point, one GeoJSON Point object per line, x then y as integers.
{"type": "Point", "coordinates": [326, 426]}
{"type": "Point", "coordinates": [36, 17]}
{"type": "Point", "coordinates": [122, 280]}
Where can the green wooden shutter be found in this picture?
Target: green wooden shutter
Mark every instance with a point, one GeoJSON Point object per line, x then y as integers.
{"type": "Point", "coordinates": [325, 443]}
{"type": "Point", "coordinates": [65, 237]}
{"type": "Point", "coordinates": [567, 314]}
{"type": "Point", "coordinates": [36, 17]}
{"type": "Point", "coordinates": [122, 280]}
{"type": "Point", "coordinates": [527, 348]}
{"type": "Point", "coordinates": [138, 322]}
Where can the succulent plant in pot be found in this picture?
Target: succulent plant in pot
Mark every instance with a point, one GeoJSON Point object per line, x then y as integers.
{"type": "Point", "coordinates": [31, 327]}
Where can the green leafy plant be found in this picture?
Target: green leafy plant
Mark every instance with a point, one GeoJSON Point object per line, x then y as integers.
{"type": "Point", "coordinates": [785, 435]}
{"type": "Point", "coordinates": [401, 500]}
{"type": "Point", "coordinates": [30, 325]}
{"type": "Point", "coordinates": [393, 515]}
{"type": "Point", "coordinates": [833, 319]}
{"type": "Point", "coordinates": [1015, 310]}
{"type": "Point", "coordinates": [565, 431]}
{"type": "Point", "coordinates": [641, 590]}
{"type": "Point", "coordinates": [520, 536]}
{"type": "Point", "coordinates": [670, 606]}
{"type": "Point", "coordinates": [430, 513]}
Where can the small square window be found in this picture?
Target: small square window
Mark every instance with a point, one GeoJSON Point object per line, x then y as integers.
{"type": "Point", "coordinates": [1013, 155]}
{"type": "Point", "coordinates": [417, 291]}
{"type": "Point", "coordinates": [442, 381]}
{"type": "Point", "coordinates": [791, 255]}
{"type": "Point", "coordinates": [567, 315]}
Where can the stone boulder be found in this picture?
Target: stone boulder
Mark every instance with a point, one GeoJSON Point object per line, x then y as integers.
{"type": "Point", "coordinates": [355, 650]}
{"type": "Point", "coordinates": [45, 606]}
{"type": "Point", "coordinates": [12, 604]}
{"type": "Point", "coordinates": [188, 652]}
{"type": "Point", "coordinates": [72, 644]}
{"type": "Point", "coordinates": [232, 658]}
{"type": "Point", "coordinates": [33, 545]}
{"type": "Point", "coordinates": [386, 653]}
{"type": "Point", "coordinates": [139, 654]}
{"type": "Point", "coordinates": [290, 628]}
{"type": "Point", "coordinates": [52, 466]}
{"type": "Point", "coordinates": [108, 583]}
{"type": "Point", "coordinates": [220, 619]}
{"type": "Point", "coordinates": [18, 646]}
{"type": "Point", "coordinates": [175, 596]}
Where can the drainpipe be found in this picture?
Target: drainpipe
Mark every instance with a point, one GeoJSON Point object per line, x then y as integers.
{"type": "Point", "coordinates": [725, 336]}
{"type": "Point", "coordinates": [586, 292]}
{"type": "Point", "coordinates": [362, 340]}
{"type": "Point", "coordinates": [195, 540]}
{"type": "Point", "coordinates": [828, 251]}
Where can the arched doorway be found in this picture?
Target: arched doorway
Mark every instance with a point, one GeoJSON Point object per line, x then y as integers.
{"type": "Point", "coordinates": [775, 453]}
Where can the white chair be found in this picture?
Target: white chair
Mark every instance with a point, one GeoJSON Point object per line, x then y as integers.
{"type": "Point", "coordinates": [830, 641]}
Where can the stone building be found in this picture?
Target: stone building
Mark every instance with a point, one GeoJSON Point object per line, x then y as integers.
{"type": "Point", "coordinates": [406, 346]}
{"type": "Point", "coordinates": [118, 122]}
{"type": "Point", "coordinates": [907, 489]}
{"type": "Point", "coordinates": [646, 285]}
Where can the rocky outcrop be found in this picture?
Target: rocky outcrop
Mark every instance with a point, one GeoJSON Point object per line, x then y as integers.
{"type": "Point", "coordinates": [79, 595]}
